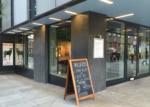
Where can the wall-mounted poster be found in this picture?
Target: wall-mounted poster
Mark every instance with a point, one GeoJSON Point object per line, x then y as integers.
{"type": "Point", "coordinates": [19, 54]}
{"type": "Point", "coordinates": [7, 54]}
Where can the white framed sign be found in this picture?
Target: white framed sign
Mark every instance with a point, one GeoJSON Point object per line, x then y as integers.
{"type": "Point", "coordinates": [98, 51]}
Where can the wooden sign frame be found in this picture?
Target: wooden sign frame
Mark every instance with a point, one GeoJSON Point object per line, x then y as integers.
{"type": "Point", "coordinates": [70, 72]}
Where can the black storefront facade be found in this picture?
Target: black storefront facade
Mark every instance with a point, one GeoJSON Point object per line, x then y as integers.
{"type": "Point", "coordinates": [49, 52]}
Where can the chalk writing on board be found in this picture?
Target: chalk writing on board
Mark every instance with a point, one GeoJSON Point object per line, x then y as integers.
{"type": "Point", "coordinates": [82, 78]}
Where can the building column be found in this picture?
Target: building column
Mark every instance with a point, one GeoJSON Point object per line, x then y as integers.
{"type": "Point", "coordinates": [86, 27]}
{"type": "Point", "coordinates": [40, 56]}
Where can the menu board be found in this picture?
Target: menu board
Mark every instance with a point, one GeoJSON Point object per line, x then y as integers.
{"type": "Point", "coordinates": [81, 79]}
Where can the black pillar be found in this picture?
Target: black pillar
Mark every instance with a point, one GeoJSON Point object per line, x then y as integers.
{"type": "Point", "coordinates": [86, 27]}
{"type": "Point", "coordinates": [40, 57]}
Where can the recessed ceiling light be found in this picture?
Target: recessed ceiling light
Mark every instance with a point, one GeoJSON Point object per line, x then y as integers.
{"type": "Point", "coordinates": [11, 32]}
{"type": "Point", "coordinates": [37, 23]}
{"type": "Point", "coordinates": [123, 16]}
{"type": "Point", "coordinates": [54, 26]}
{"type": "Point", "coordinates": [107, 1]}
{"type": "Point", "coordinates": [57, 19]}
{"type": "Point", "coordinates": [30, 32]}
{"type": "Point", "coordinates": [69, 21]}
{"type": "Point", "coordinates": [16, 31]}
{"type": "Point", "coordinates": [31, 36]}
{"type": "Point", "coordinates": [109, 19]}
{"type": "Point", "coordinates": [23, 28]}
{"type": "Point", "coordinates": [141, 34]}
{"type": "Point", "coordinates": [128, 30]}
{"type": "Point", "coordinates": [70, 12]}
{"type": "Point", "coordinates": [148, 30]}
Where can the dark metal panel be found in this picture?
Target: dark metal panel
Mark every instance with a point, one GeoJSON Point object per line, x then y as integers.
{"type": "Point", "coordinates": [24, 71]}
{"type": "Point", "coordinates": [57, 80]}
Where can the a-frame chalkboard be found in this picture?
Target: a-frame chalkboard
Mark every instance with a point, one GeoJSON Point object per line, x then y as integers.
{"type": "Point", "coordinates": [79, 81]}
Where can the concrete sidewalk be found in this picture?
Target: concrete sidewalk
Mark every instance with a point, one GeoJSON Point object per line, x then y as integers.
{"type": "Point", "coordinates": [18, 91]}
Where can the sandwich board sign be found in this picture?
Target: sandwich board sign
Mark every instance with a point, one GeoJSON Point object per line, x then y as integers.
{"type": "Point", "coordinates": [79, 81]}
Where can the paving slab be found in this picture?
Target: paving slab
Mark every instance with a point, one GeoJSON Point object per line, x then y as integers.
{"type": "Point", "coordinates": [19, 91]}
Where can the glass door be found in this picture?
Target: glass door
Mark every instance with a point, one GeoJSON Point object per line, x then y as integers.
{"type": "Point", "coordinates": [143, 50]}
{"type": "Point", "coordinates": [115, 50]}
{"type": "Point", "coordinates": [132, 52]}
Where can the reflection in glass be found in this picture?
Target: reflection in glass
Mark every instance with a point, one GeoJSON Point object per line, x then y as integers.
{"type": "Point", "coordinates": [19, 54]}
{"type": "Point", "coordinates": [143, 50]}
{"type": "Point", "coordinates": [30, 51]}
{"type": "Point", "coordinates": [132, 50]}
{"type": "Point", "coordinates": [115, 50]}
{"type": "Point", "coordinates": [7, 54]}
{"type": "Point", "coordinates": [60, 47]}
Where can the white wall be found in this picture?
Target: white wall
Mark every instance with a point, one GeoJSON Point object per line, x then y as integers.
{"type": "Point", "coordinates": [6, 14]}
{"type": "Point", "coordinates": [20, 11]}
{"type": "Point", "coordinates": [47, 5]}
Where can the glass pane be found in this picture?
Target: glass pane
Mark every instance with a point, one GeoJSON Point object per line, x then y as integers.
{"type": "Point", "coordinates": [143, 50]}
{"type": "Point", "coordinates": [30, 51]}
{"type": "Point", "coordinates": [7, 54]}
{"type": "Point", "coordinates": [53, 51]}
{"type": "Point", "coordinates": [19, 53]}
{"type": "Point", "coordinates": [132, 45]}
{"type": "Point", "coordinates": [115, 50]}
{"type": "Point", "coordinates": [60, 46]}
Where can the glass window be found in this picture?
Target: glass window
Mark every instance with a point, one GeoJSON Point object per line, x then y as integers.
{"type": "Point", "coordinates": [30, 51]}
{"type": "Point", "coordinates": [143, 50]}
{"type": "Point", "coordinates": [7, 54]}
{"type": "Point", "coordinates": [115, 50]}
{"type": "Point", "coordinates": [132, 48]}
{"type": "Point", "coordinates": [60, 46]}
{"type": "Point", "coordinates": [19, 53]}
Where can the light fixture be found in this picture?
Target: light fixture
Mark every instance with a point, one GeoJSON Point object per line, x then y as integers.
{"type": "Point", "coordinates": [16, 31]}
{"type": "Point", "coordinates": [69, 21]}
{"type": "Point", "coordinates": [10, 32]}
{"type": "Point", "coordinates": [30, 32]}
{"type": "Point", "coordinates": [109, 19]}
{"type": "Point", "coordinates": [141, 34]}
{"type": "Point", "coordinates": [107, 1]}
{"type": "Point", "coordinates": [70, 12]}
{"type": "Point", "coordinates": [54, 26]}
{"type": "Point", "coordinates": [123, 16]}
{"type": "Point", "coordinates": [148, 30]}
{"type": "Point", "coordinates": [52, 18]}
{"type": "Point", "coordinates": [23, 28]}
{"type": "Point", "coordinates": [31, 36]}
{"type": "Point", "coordinates": [39, 24]}
{"type": "Point", "coordinates": [128, 30]}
